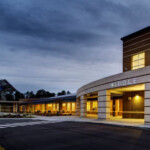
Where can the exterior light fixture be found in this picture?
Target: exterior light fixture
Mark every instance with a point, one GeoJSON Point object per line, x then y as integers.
{"type": "Point", "coordinates": [137, 96]}
{"type": "Point", "coordinates": [129, 98]}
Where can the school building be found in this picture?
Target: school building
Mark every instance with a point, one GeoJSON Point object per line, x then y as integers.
{"type": "Point", "coordinates": [123, 95]}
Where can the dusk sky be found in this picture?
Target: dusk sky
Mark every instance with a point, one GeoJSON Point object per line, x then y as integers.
{"type": "Point", "coordinates": [63, 44]}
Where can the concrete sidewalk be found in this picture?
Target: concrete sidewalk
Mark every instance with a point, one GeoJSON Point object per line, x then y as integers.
{"type": "Point", "coordinates": [132, 123]}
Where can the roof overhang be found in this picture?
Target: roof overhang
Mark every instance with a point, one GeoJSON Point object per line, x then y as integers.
{"type": "Point", "coordinates": [135, 33]}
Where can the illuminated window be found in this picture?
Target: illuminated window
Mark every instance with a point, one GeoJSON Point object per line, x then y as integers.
{"type": "Point", "coordinates": [57, 107]}
{"type": "Point", "coordinates": [54, 107]}
{"type": "Point", "coordinates": [37, 107]}
{"type": "Point", "coordinates": [88, 106]}
{"type": "Point", "coordinates": [73, 107]}
{"type": "Point", "coordinates": [49, 106]}
{"type": "Point", "coordinates": [94, 106]}
{"type": "Point", "coordinates": [138, 61]}
{"type": "Point", "coordinates": [68, 107]}
{"type": "Point", "coordinates": [64, 105]}
{"type": "Point", "coordinates": [43, 108]}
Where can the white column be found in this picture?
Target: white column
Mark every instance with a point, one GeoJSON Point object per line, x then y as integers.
{"type": "Point", "coordinates": [78, 107]}
{"type": "Point", "coordinates": [104, 104]}
{"type": "Point", "coordinates": [83, 106]}
{"type": "Point", "coordinates": [147, 104]}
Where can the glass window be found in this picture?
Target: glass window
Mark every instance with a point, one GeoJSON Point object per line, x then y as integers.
{"type": "Point", "coordinates": [141, 66]}
{"type": "Point", "coordinates": [135, 57]}
{"type": "Point", "coordinates": [73, 107]}
{"type": "Point", "coordinates": [138, 61]}
{"type": "Point", "coordinates": [68, 107]}
{"type": "Point", "coordinates": [133, 68]}
{"type": "Point", "coordinates": [94, 106]}
{"type": "Point", "coordinates": [135, 63]}
{"type": "Point", "coordinates": [54, 107]}
{"type": "Point", "coordinates": [88, 106]}
{"type": "Point", "coordinates": [50, 106]}
{"type": "Point", "coordinates": [64, 106]}
{"type": "Point", "coordinates": [57, 107]}
{"type": "Point", "coordinates": [43, 108]}
{"type": "Point", "coordinates": [141, 55]}
{"type": "Point", "coordinates": [141, 62]}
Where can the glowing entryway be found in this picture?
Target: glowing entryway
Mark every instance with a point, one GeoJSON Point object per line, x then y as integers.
{"type": "Point", "coordinates": [127, 102]}
{"type": "Point", "coordinates": [92, 105]}
{"type": "Point", "coordinates": [116, 107]}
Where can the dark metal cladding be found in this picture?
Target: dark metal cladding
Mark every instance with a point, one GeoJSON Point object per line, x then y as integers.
{"type": "Point", "coordinates": [5, 86]}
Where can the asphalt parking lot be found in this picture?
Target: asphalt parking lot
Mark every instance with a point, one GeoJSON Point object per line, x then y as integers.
{"type": "Point", "coordinates": [74, 136]}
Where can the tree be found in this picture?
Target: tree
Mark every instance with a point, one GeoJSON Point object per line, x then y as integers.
{"type": "Point", "coordinates": [18, 96]}
{"type": "Point", "coordinates": [45, 94]}
{"type": "Point", "coordinates": [61, 93]}
{"type": "Point", "coordinates": [29, 94]}
{"type": "Point", "coordinates": [52, 94]}
{"type": "Point", "coordinates": [68, 92]}
{"type": "Point", "coordinates": [41, 93]}
{"type": "Point", "coordinates": [48, 94]}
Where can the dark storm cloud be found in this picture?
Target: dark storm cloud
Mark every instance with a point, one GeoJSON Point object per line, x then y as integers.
{"type": "Point", "coordinates": [66, 21]}
{"type": "Point", "coordinates": [59, 44]}
{"type": "Point", "coordinates": [66, 28]}
{"type": "Point", "coordinates": [42, 21]}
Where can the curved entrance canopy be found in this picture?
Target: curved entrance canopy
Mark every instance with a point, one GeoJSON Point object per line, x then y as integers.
{"type": "Point", "coordinates": [119, 91]}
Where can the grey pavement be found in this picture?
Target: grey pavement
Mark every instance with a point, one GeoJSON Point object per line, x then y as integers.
{"type": "Point", "coordinates": [74, 136]}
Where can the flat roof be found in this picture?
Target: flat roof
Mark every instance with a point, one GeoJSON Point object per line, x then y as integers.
{"type": "Point", "coordinates": [6, 102]}
{"type": "Point", "coordinates": [68, 97]}
{"type": "Point", "coordinates": [134, 33]}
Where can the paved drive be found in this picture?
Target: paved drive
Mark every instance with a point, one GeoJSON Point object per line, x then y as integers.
{"type": "Point", "coordinates": [74, 136]}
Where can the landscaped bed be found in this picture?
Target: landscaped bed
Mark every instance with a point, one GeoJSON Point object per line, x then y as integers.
{"type": "Point", "coordinates": [15, 115]}
{"type": "Point", "coordinates": [53, 114]}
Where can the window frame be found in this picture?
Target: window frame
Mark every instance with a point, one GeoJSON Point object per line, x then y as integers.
{"type": "Point", "coordinates": [137, 60]}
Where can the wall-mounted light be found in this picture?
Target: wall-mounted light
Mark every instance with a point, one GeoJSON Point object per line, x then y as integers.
{"type": "Point", "coordinates": [137, 96]}
{"type": "Point", "coordinates": [129, 98]}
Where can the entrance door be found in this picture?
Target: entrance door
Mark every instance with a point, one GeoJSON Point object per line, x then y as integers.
{"type": "Point", "coordinates": [116, 107]}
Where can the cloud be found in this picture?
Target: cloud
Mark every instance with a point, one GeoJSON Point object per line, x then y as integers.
{"type": "Point", "coordinates": [64, 44]}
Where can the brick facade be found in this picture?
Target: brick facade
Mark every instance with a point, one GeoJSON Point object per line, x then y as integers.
{"type": "Point", "coordinates": [136, 43]}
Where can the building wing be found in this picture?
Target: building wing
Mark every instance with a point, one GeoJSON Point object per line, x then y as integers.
{"type": "Point", "coordinates": [5, 86]}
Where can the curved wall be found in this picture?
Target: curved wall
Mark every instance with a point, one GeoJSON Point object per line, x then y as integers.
{"type": "Point", "coordinates": [124, 79]}
{"type": "Point", "coordinates": [103, 87]}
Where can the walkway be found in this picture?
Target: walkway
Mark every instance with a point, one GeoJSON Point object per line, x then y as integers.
{"type": "Point", "coordinates": [136, 123]}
